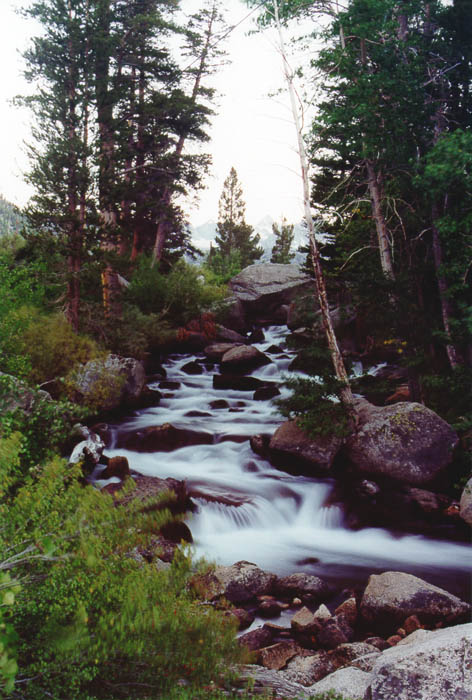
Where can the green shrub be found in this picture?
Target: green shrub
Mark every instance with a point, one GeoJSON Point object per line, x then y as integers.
{"type": "Point", "coordinates": [92, 621]}
{"type": "Point", "coordinates": [21, 293]}
{"type": "Point", "coordinates": [53, 348]}
{"type": "Point", "coordinates": [177, 296]}
{"type": "Point", "coordinates": [44, 425]}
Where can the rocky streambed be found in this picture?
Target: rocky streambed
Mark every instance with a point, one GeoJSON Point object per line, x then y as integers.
{"type": "Point", "coordinates": [316, 519]}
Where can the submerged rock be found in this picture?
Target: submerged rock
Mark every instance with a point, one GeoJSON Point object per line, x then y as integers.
{"type": "Point", "coordinates": [162, 438]}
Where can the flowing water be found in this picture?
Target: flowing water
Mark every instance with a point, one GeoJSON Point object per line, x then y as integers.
{"type": "Point", "coordinates": [249, 510]}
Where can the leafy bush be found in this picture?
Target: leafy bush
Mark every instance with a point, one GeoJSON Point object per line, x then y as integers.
{"type": "Point", "coordinates": [21, 292]}
{"type": "Point", "coordinates": [53, 348]}
{"type": "Point", "coordinates": [44, 424]}
{"type": "Point", "coordinates": [92, 621]}
{"type": "Point", "coordinates": [221, 268]}
{"type": "Point", "coordinates": [177, 296]}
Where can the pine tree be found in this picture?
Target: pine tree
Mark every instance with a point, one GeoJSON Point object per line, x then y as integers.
{"type": "Point", "coordinates": [235, 237]}
{"type": "Point", "coordinates": [283, 242]}
{"type": "Point", "coordinates": [112, 113]}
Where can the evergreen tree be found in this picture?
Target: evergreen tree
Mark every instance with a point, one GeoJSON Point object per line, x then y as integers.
{"type": "Point", "coordinates": [113, 111]}
{"type": "Point", "coordinates": [235, 236]}
{"type": "Point", "coordinates": [283, 242]}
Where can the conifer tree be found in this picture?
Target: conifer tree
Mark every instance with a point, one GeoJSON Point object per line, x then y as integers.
{"type": "Point", "coordinates": [284, 235]}
{"type": "Point", "coordinates": [235, 237]}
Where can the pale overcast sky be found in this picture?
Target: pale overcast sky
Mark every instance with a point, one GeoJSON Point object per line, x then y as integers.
{"type": "Point", "coordinates": [251, 131]}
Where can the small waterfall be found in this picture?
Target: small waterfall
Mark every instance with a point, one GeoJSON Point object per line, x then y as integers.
{"type": "Point", "coordinates": [247, 509]}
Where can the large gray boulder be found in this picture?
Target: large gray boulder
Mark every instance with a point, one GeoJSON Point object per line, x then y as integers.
{"type": "Point", "coordinates": [17, 395]}
{"type": "Point", "coordinates": [237, 583]}
{"type": "Point", "coordinates": [393, 596]}
{"type": "Point", "coordinates": [263, 289]}
{"type": "Point", "coordinates": [108, 383]}
{"type": "Point", "coordinates": [406, 442]}
{"type": "Point", "coordinates": [466, 503]}
{"type": "Point", "coordinates": [437, 667]}
{"type": "Point", "coordinates": [296, 452]}
{"type": "Point", "coordinates": [351, 682]}
{"type": "Point", "coordinates": [243, 358]}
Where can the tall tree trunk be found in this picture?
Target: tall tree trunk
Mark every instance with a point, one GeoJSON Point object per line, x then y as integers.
{"type": "Point", "coordinates": [163, 227]}
{"type": "Point", "coordinates": [446, 307]}
{"type": "Point", "coordinates": [74, 229]}
{"type": "Point", "coordinates": [111, 302]}
{"type": "Point", "coordinates": [336, 357]}
{"type": "Point", "coordinates": [447, 310]}
{"type": "Point", "coordinates": [375, 190]}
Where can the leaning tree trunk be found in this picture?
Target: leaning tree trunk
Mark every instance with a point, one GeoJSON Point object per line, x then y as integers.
{"type": "Point", "coordinates": [336, 357]}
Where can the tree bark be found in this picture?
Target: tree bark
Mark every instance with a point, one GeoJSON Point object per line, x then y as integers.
{"type": "Point", "coordinates": [375, 191]}
{"type": "Point", "coordinates": [336, 357]}
{"type": "Point", "coordinates": [163, 226]}
{"type": "Point", "coordinates": [74, 229]}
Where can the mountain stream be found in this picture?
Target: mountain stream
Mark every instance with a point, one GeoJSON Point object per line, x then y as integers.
{"type": "Point", "coordinates": [249, 510]}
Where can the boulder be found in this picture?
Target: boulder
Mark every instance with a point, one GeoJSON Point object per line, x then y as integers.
{"type": "Point", "coordinates": [334, 631]}
{"type": "Point", "coordinates": [345, 654]}
{"type": "Point", "coordinates": [17, 395]}
{"type": "Point", "coordinates": [162, 438]}
{"type": "Point", "coordinates": [277, 655]}
{"type": "Point", "coordinates": [263, 289]}
{"type": "Point", "coordinates": [307, 670]}
{"type": "Point", "coordinates": [109, 383]}
{"type": "Point", "coordinates": [237, 583]}
{"type": "Point", "coordinates": [349, 610]}
{"type": "Point", "coordinates": [275, 682]}
{"type": "Point", "coordinates": [393, 596]}
{"type": "Point", "coordinates": [304, 624]}
{"type": "Point", "coordinates": [256, 336]}
{"type": "Point", "coordinates": [88, 451]}
{"type": "Point", "coordinates": [243, 358]}
{"type": "Point", "coordinates": [238, 382]}
{"type": "Point", "coordinates": [305, 586]}
{"type": "Point", "coordinates": [160, 494]}
{"type": "Point", "coordinates": [219, 404]}
{"type": "Point", "coordinates": [243, 617]}
{"type": "Point", "coordinates": [266, 393]}
{"type": "Point", "coordinates": [435, 667]}
{"type": "Point", "coordinates": [117, 467]}
{"type": "Point", "coordinates": [231, 313]}
{"type": "Point", "coordinates": [257, 639]}
{"type": "Point", "coordinates": [269, 609]}
{"type": "Point", "coordinates": [226, 335]}
{"type": "Point", "coordinates": [322, 613]}
{"type": "Point", "coordinates": [406, 442]}
{"type": "Point", "coordinates": [192, 368]}
{"type": "Point", "coordinates": [350, 682]}
{"type": "Point", "coordinates": [296, 452]}
{"type": "Point", "coordinates": [260, 444]}
{"type": "Point", "coordinates": [466, 503]}
{"type": "Point", "coordinates": [215, 351]}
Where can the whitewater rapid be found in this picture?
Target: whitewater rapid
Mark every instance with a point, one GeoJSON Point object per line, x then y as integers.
{"type": "Point", "coordinates": [249, 510]}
